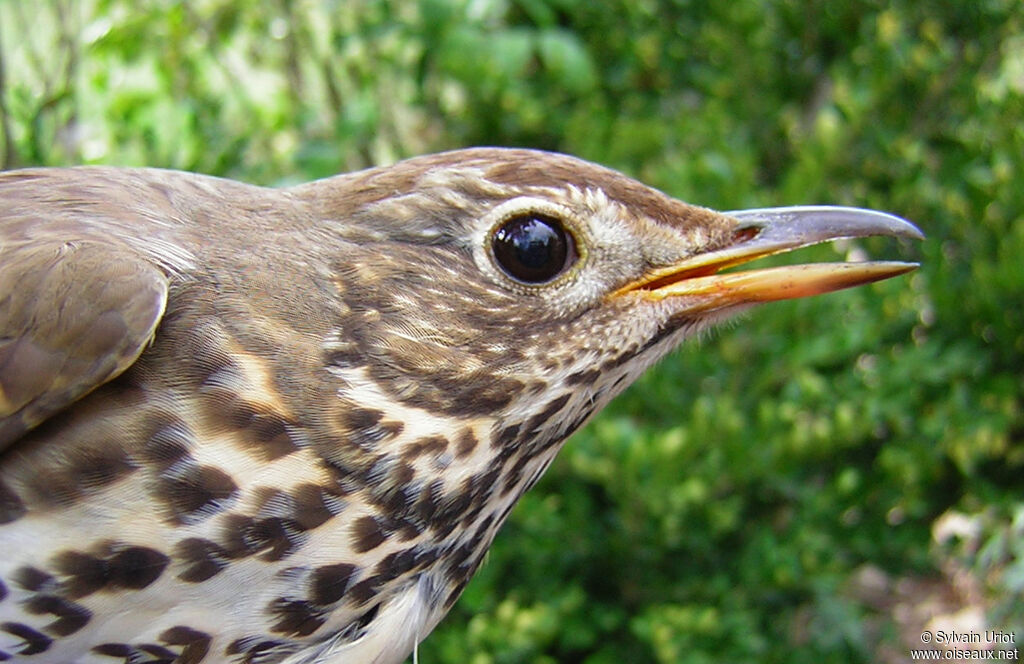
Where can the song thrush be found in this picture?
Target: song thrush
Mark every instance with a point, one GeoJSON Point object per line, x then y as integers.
{"type": "Point", "coordinates": [250, 425]}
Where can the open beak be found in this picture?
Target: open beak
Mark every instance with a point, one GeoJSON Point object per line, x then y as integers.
{"type": "Point", "coordinates": [768, 231]}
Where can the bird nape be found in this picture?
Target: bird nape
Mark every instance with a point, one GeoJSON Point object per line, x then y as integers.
{"type": "Point", "coordinates": [241, 424]}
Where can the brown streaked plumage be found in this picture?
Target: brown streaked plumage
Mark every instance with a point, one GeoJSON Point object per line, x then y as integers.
{"type": "Point", "coordinates": [249, 425]}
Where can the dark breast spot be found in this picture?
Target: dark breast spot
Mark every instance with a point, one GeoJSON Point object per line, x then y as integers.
{"type": "Point", "coordinates": [390, 472]}
{"type": "Point", "coordinates": [83, 574]}
{"type": "Point", "coordinates": [466, 443]}
{"type": "Point", "coordinates": [122, 650]}
{"type": "Point", "coordinates": [410, 527]}
{"type": "Point", "coordinates": [551, 409]}
{"type": "Point", "coordinates": [578, 422]}
{"type": "Point", "coordinates": [194, 644]}
{"type": "Point", "coordinates": [507, 436]}
{"type": "Point", "coordinates": [363, 592]}
{"type": "Point", "coordinates": [430, 445]}
{"type": "Point", "coordinates": [263, 431]}
{"type": "Point", "coordinates": [136, 567]}
{"type": "Point", "coordinates": [52, 487]}
{"type": "Point", "coordinates": [98, 467]}
{"type": "Point", "coordinates": [455, 563]}
{"type": "Point", "coordinates": [354, 418]}
{"type": "Point", "coordinates": [313, 506]}
{"type": "Point", "coordinates": [364, 427]}
{"type": "Point", "coordinates": [368, 533]}
{"type": "Point", "coordinates": [201, 558]}
{"type": "Point", "coordinates": [150, 653]}
{"type": "Point", "coordinates": [295, 617]}
{"type": "Point", "coordinates": [347, 472]}
{"type": "Point", "coordinates": [272, 537]}
{"type": "Point", "coordinates": [81, 472]}
{"type": "Point", "coordinates": [273, 502]}
{"type": "Point", "coordinates": [277, 530]}
{"type": "Point", "coordinates": [329, 583]}
{"type": "Point", "coordinates": [515, 475]}
{"type": "Point", "coordinates": [169, 443]}
{"type": "Point", "coordinates": [390, 486]}
{"type": "Point", "coordinates": [451, 510]}
{"type": "Point", "coordinates": [259, 650]}
{"type": "Point", "coordinates": [460, 566]}
{"type": "Point", "coordinates": [32, 642]}
{"type": "Point", "coordinates": [71, 617]}
{"type": "Point", "coordinates": [266, 433]}
{"type": "Point", "coordinates": [192, 493]}
{"type": "Point", "coordinates": [463, 395]}
{"type": "Point", "coordinates": [428, 501]}
{"type": "Point", "coordinates": [178, 645]}
{"type": "Point", "coordinates": [33, 579]}
{"type": "Point", "coordinates": [454, 594]}
{"type": "Point", "coordinates": [397, 564]}
{"type": "Point", "coordinates": [585, 377]}
{"type": "Point", "coordinates": [128, 568]}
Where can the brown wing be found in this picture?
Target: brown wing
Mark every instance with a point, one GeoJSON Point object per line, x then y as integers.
{"type": "Point", "coordinates": [73, 315]}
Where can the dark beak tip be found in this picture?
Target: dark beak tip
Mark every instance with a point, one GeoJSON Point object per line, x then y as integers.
{"type": "Point", "coordinates": [918, 234]}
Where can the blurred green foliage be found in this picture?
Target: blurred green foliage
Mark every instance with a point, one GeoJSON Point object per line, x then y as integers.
{"type": "Point", "coordinates": [718, 510]}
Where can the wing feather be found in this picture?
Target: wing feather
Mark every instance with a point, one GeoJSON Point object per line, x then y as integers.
{"type": "Point", "coordinates": [73, 315]}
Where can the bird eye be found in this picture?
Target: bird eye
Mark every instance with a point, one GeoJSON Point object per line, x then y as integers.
{"type": "Point", "coordinates": [532, 248]}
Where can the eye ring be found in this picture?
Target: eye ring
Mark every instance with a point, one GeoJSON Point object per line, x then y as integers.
{"type": "Point", "coordinates": [533, 248]}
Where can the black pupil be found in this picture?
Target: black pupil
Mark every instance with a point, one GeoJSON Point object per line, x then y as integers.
{"type": "Point", "coordinates": [531, 248]}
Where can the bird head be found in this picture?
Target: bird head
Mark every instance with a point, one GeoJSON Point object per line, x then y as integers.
{"type": "Point", "coordinates": [538, 286]}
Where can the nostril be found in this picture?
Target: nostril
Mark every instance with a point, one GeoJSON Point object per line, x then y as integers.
{"type": "Point", "coordinates": [745, 233]}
